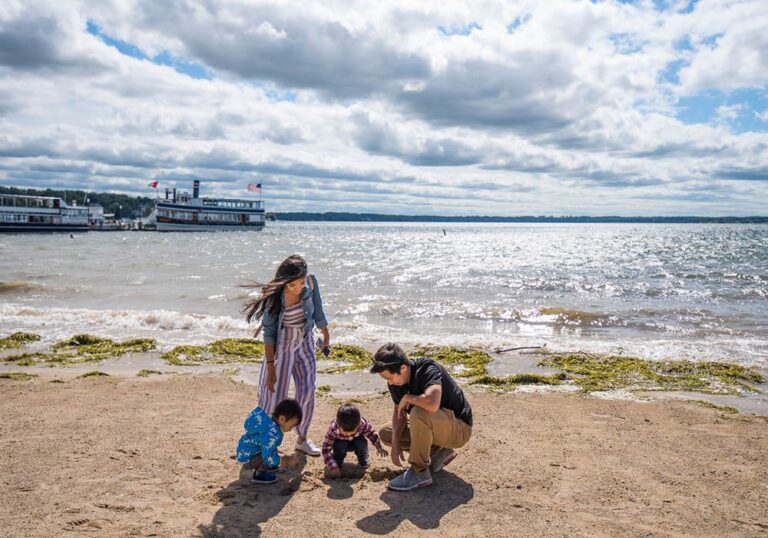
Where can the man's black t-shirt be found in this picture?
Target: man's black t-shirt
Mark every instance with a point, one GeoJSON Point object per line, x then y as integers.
{"type": "Point", "coordinates": [426, 372]}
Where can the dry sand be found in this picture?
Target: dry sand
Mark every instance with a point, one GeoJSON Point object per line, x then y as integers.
{"type": "Point", "coordinates": [152, 457]}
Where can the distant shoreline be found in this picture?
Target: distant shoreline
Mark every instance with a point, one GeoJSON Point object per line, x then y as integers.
{"type": "Point", "coordinates": [136, 206]}
{"type": "Point", "coordinates": [377, 217]}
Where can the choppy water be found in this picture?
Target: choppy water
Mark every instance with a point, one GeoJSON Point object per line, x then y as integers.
{"type": "Point", "coordinates": [656, 290]}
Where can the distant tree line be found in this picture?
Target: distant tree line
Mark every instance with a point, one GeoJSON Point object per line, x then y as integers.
{"type": "Point", "coordinates": [141, 206]}
{"type": "Point", "coordinates": [374, 217]}
{"type": "Point", "coordinates": [132, 206]}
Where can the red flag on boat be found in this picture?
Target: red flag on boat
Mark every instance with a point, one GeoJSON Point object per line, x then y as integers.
{"type": "Point", "coordinates": [153, 184]}
{"type": "Point", "coordinates": [254, 187]}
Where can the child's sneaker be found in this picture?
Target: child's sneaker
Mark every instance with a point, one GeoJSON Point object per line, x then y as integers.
{"type": "Point", "coordinates": [308, 447]}
{"type": "Point", "coordinates": [263, 477]}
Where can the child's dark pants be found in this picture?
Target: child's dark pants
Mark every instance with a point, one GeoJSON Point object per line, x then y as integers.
{"type": "Point", "coordinates": [359, 445]}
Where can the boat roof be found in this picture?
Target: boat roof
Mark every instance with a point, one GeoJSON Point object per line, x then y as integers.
{"type": "Point", "coordinates": [30, 196]}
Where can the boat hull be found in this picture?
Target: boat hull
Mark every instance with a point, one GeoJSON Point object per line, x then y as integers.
{"type": "Point", "coordinates": [21, 228]}
{"type": "Point", "coordinates": [180, 227]}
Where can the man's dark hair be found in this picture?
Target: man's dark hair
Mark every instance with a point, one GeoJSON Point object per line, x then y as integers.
{"type": "Point", "coordinates": [389, 357]}
{"type": "Point", "coordinates": [348, 417]}
{"type": "Point", "coordinates": [288, 408]}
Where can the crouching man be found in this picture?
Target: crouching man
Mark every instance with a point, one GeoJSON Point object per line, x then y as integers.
{"type": "Point", "coordinates": [431, 415]}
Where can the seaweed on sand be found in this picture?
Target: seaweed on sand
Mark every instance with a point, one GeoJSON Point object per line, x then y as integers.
{"type": "Point", "coordinates": [17, 376]}
{"type": "Point", "coordinates": [93, 373]}
{"type": "Point", "coordinates": [82, 348]}
{"type": "Point", "coordinates": [147, 372]}
{"type": "Point", "coordinates": [599, 373]}
{"type": "Point", "coordinates": [519, 379]}
{"type": "Point", "coordinates": [222, 351]}
{"type": "Point", "coordinates": [460, 361]}
{"type": "Point", "coordinates": [17, 340]}
{"type": "Point", "coordinates": [351, 358]}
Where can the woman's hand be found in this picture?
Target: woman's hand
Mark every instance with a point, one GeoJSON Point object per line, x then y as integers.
{"type": "Point", "coordinates": [326, 337]}
{"type": "Point", "coordinates": [271, 377]}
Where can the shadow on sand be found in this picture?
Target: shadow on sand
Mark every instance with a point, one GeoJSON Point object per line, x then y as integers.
{"type": "Point", "coordinates": [247, 505]}
{"type": "Point", "coordinates": [423, 507]}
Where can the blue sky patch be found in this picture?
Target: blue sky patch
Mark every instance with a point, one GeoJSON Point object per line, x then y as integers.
{"type": "Point", "coordinates": [459, 30]}
{"type": "Point", "coordinates": [164, 58]}
{"type": "Point", "coordinates": [625, 43]}
{"type": "Point", "coordinates": [745, 105]}
{"type": "Point", "coordinates": [671, 73]}
{"type": "Point", "coordinates": [517, 23]}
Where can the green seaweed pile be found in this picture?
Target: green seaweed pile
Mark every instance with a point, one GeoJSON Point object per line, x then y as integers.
{"type": "Point", "coordinates": [594, 373]}
{"type": "Point", "coordinates": [93, 373]}
{"type": "Point", "coordinates": [222, 351]}
{"type": "Point", "coordinates": [17, 376]}
{"type": "Point", "coordinates": [461, 362]}
{"type": "Point", "coordinates": [724, 408]}
{"type": "Point", "coordinates": [351, 358]}
{"type": "Point", "coordinates": [519, 379]}
{"type": "Point", "coordinates": [146, 373]}
{"type": "Point", "coordinates": [17, 340]}
{"type": "Point", "coordinates": [82, 348]}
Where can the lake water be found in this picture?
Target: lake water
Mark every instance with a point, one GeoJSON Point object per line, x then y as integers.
{"type": "Point", "coordinates": [655, 290]}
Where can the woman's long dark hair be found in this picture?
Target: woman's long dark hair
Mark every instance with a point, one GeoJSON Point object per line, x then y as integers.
{"type": "Point", "coordinates": [292, 268]}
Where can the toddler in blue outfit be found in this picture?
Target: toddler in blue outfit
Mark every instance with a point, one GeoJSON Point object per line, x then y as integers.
{"type": "Point", "coordinates": [263, 434]}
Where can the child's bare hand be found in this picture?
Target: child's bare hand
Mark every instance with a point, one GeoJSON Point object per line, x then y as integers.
{"type": "Point", "coordinates": [334, 473]}
{"type": "Point", "coordinates": [290, 461]}
{"type": "Point", "coordinates": [382, 451]}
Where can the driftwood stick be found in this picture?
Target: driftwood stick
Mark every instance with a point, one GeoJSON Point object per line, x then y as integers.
{"type": "Point", "coordinates": [519, 348]}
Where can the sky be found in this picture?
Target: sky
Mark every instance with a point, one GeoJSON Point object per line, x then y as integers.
{"type": "Point", "coordinates": [648, 107]}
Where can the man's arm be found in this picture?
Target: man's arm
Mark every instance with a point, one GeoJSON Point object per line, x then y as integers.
{"type": "Point", "coordinates": [429, 401]}
{"type": "Point", "coordinates": [398, 425]}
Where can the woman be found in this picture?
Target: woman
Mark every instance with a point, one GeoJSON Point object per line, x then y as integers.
{"type": "Point", "coordinates": [289, 307]}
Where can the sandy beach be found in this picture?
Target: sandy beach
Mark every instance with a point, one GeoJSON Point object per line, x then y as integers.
{"type": "Point", "coordinates": [110, 456]}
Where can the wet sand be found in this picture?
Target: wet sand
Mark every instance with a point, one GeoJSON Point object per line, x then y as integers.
{"type": "Point", "coordinates": [152, 457]}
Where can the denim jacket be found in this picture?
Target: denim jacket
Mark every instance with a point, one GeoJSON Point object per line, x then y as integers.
{"type": "Point", "coordinates": [312, 305]}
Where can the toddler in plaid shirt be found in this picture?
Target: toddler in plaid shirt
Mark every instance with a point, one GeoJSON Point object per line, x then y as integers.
{"type": "Point", "coordinates": [348, 432]}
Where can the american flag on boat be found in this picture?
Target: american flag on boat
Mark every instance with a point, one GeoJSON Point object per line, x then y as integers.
{"type": "Point", "coordinates": [254, 187]}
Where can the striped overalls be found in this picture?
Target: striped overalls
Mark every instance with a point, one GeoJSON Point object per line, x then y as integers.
{"type": "Point", "coordinates": [294, 357]}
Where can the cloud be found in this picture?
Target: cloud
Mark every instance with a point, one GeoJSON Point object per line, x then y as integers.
{"type": "Point", "coordinates": [506, 108]}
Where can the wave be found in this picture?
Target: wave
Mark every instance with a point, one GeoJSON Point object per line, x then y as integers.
{"type": "Point", "coordinates": [169, 327]}
{"type": "Point", "coordinates": [19, 286]}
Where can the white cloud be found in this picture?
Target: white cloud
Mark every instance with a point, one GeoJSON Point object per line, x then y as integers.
{"type": "Point", "coordinates": [526, 107]}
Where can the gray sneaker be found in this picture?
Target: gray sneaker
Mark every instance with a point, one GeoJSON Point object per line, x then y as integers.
{"type": "Point", "coordinates": [410, 479]}
{"type": "Point", "coordinates": [441, 458]}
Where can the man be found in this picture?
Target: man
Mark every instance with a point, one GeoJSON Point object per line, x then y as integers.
{"type": "Point", "coordinates": [431, 416]}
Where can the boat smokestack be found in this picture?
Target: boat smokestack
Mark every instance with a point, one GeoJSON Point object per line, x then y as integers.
{"type": "Point", "coordinates": [174, 195]}
{"type": "Point", "coordinates": [196, 189]}
{"type": "Point", "coordinates": [167, 192]}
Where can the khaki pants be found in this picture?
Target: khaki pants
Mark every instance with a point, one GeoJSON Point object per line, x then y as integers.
{"type": "Point", "coordinates": [426, 432]}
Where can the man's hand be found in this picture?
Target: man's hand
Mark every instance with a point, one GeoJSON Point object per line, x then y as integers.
{"type": "Point", "coordinates": [397, 456]}
{"type": "Point", "coordinates": [403, 406]}
{"type": "Point", "coordinates": [334, 473]}
{"type": "Point", "coordinates": [382, 451]}
{"type": "Point", "coordinates": [290, 461]}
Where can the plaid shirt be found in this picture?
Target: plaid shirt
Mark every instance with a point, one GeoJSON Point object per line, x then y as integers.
{"type": "Point", "coordinates": [333, 433]}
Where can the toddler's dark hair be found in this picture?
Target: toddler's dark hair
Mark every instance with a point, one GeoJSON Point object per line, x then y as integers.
{"type": "Point", "coordinates": [288, 408]}
{"type": "Point", "coordinates": [348, 417]}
